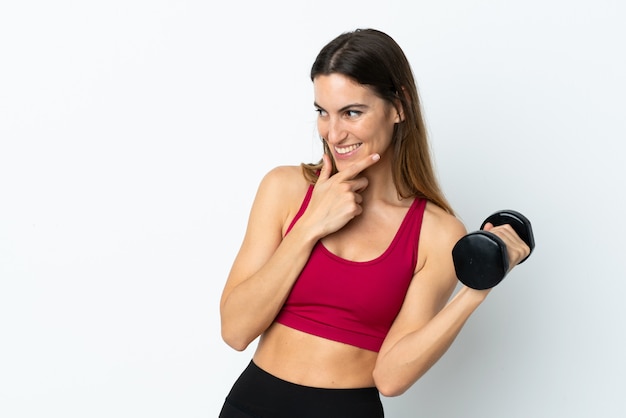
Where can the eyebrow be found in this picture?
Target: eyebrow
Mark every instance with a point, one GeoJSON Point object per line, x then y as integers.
{"type": "Point", "coordinates": [347, 107]}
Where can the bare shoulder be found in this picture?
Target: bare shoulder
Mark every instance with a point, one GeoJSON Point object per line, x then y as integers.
{"type": "Point", "coordinates": [440, 229]}
{"type": "Point", "coordinates": [285, 181]}
{"type": "Point", "coordinates": [284, 176]}
{"type": "Point", "coordinates": [283, 189]}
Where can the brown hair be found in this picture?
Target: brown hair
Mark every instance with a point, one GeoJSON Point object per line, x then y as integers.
{"type": "Point", "coordinates": [372, 58]}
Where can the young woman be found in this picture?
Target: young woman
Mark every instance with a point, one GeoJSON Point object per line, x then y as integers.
{"type": "Point", "coordinates": [345, 271]}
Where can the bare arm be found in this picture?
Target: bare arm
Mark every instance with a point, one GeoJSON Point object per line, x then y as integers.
{"type": "Point", "coordinates": [267, 264]}
{"type": "Point", "coordinates": [426, 325]}
{"type": "Point", "coordinates": [265, 267]}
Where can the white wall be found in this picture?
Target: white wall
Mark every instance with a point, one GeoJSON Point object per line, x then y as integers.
{"type": "Point", "coordinates": [133, 136]}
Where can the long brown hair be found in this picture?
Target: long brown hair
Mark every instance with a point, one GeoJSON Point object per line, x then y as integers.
{"type": "Point", "coordinates": [373, 59]}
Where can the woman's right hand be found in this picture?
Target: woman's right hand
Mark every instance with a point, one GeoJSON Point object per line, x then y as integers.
{"type": "Point", "coordinates": [337, 199]}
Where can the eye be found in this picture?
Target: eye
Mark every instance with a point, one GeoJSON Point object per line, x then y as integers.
{"type": "Point", "coordinates": [353, 113]}
{"type": "Point", "coordinates": [320, 112]}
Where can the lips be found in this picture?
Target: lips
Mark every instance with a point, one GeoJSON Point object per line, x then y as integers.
{"type": "Point", "coordinates": [346, 150]}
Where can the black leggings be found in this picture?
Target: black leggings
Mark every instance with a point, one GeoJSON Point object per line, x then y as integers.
{"type": "Point", "coordinates": [258, 394]}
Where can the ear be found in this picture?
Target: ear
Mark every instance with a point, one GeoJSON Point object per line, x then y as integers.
{"type": "Point", "coordinates": [399, 108]}
{"type": "Point", "coordinates": [399, 112]}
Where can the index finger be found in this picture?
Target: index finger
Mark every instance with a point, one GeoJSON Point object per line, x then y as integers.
{"type": "Point", "coordinates": [352, 171]}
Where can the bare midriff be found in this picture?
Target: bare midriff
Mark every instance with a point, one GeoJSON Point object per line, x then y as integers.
{"type": "Point", "coordinates": [309, 360]}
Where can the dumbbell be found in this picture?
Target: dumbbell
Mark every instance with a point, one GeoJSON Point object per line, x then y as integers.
{"type": "Point", "coordinates": [480, 257]}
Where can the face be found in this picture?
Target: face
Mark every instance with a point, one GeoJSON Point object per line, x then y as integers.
{"type": "Point", "coordinates": [352, 119]}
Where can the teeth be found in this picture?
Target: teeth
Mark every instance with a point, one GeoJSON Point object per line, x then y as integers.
{"type": "Point", "coordinates": [345, 150]}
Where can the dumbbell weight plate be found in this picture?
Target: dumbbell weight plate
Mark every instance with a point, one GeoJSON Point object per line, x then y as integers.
{"type": "Point", "coordinates": [480, 260]}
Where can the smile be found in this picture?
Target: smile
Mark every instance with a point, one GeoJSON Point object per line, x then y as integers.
{"type": "Point", "coordinates": [345, 150]}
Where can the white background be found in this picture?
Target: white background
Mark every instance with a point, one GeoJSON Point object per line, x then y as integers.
{"type": "Point", "coordinates": [133, 137]}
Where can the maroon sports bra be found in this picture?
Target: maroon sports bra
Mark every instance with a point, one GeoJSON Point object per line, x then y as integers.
{"type": "Point", "coordinates": [354, 302]}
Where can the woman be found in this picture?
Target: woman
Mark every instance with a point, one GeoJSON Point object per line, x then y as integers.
{"type": "Point", "coordinates": [345, 271]}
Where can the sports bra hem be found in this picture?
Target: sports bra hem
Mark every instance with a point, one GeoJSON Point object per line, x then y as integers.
{"type": "Point", "coordinates": [322, 330]}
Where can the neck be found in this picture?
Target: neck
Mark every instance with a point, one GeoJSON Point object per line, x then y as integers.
{"type": "Point", "coordinates": [380, 183]}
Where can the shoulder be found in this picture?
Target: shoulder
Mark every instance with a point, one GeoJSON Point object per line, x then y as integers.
{"type": "Point", "coordinates": [440, 230]}
{"type": "Point", "coordinates": [445, 223]}
{"type": "Point", "coordinates": [284, 181]}
{"type": "Point", "coordinates": [281, 191]}
{"type": "Point", "coordinates": [283, 176]}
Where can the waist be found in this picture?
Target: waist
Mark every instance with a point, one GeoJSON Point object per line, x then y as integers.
{"type": "Point", "coordinates": [308, 360]}
{"type": "Point", "coordinates": [259, 393]}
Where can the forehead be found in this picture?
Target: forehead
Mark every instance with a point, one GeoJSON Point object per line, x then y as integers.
{"type": "Point", "coordinates": [337, 89]}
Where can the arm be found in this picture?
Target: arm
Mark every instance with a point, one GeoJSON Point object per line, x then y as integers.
{"type": "Point", "coordinates": [427, 326]}
{"type": "Point", "coordinates": [267, 264]}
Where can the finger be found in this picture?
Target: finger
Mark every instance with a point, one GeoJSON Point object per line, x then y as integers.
{"type": "Point", "coordinates": [358, 185]}
{"type": "Point", "coordinates": [353, 170]}
{"type": "Point", "coordinates": [516, 247]}
{"type": "Point", "coordinates": [506, 231]}
{"type": "Point", "coordinates": [326, 168]}
{"type": "Point", "coordinates": [517, 253]}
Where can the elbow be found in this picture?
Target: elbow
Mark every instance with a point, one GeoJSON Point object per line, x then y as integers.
{"type": "Point", "coordinates": [234, 334]}
{"type": "Point", "coordinates": [388, 386]}
{"type": "Point", "coordinates": [390, 390]}
{"type": "Point", "coordinates": [236, 345]}
{"type": "Point", "coordinates": [234, 339]}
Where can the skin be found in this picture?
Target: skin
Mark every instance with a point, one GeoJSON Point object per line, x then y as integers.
{"type": "Point", "coordinates": [355, 213]}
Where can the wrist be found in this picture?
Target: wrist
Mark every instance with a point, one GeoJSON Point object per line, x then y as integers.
{"type": "Point", "coordinates": [474, 296]}
{"type": "Point", "coordinates": [305, 234]}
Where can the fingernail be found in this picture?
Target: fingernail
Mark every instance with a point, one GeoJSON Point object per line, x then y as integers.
{"type": "Point", "coordinates": [375, 157]}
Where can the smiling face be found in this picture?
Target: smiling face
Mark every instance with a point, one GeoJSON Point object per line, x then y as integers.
{"type": "Point", "coordinates": [353, 121]}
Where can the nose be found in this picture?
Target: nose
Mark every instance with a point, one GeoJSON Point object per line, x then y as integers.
{"type": "Point", "coordinates": [335, 130]}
